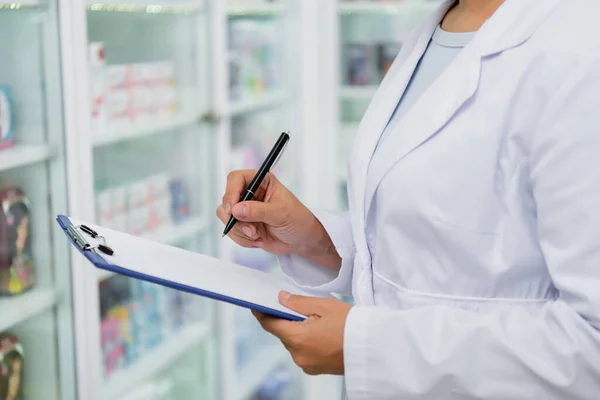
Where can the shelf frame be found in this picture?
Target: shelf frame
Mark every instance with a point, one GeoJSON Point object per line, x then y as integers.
{"type": "Point", "coordinates": [28, 305]}
{"type": "Point", "coordinates": [252, 376]}
{"type": "Point", "coordinates": [171, 349]}
{"type": "Point", "coordinates": [147, 7]}
{"type": "Point", "coordinates": [257, 103]}
{"type": "Point", "coordinates": [140, 131]}
{"type": "Point", "coordinates": [22, 155]}
{"type": "Point", "coordinates": [255, 9]}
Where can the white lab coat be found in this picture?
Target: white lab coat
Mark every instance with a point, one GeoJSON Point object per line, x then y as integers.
{"type": "Point", "coordinates": [486, 283]}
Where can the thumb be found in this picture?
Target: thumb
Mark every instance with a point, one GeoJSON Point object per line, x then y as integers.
{"type": "Point", "coordinates": [256, 211]}
{"type": "Point", "coordinates": [304, 305]}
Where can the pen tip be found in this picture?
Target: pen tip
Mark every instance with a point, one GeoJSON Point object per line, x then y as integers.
{"type": "Point", "coordinates": [222, 236]}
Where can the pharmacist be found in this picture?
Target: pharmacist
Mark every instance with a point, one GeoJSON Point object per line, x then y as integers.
{"type": "Point", "coordinates": [472, 244]}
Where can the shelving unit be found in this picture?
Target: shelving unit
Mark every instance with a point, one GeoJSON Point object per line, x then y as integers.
{"type": "Point", "coordinates": [255, 8]}
{"type": "Point", "coordinates": [147, 6]}
{"type": "Point", "coordinates": [155, 361]}
{"type": "Point", "coordinates": [365, 33]}
{"type": "Point", "coordinates": [161, 50]}
{"type": "Point", "coordinates": [362, 93]}
{"type": "Point", "coordinates": [258, 103]}
{"type": "Point", "coordinates": [391, 7]}
{"type": "Point", "coordinates": [20, 309]}
{"type": "Point", "coordinates": [139, 131]}
{"type": "Point", "coordinates": [10, 5]}
{"type": "Point", "coordinates": [22, 155]}
{"type": "Point", "coordinates": [254, 375]}
{"type": "Point", "coordinates": [368, 7]}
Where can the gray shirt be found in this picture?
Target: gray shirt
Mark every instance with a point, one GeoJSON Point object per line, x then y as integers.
{"type": "Point", "coordinates": [442, 49]}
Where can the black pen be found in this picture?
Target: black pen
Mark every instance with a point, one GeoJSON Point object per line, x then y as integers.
{"type": "Point", "coordinates": [266, 166]}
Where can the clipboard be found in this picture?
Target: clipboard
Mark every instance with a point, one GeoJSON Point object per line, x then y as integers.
{"type": "Point", "coordinates": [180, 269]}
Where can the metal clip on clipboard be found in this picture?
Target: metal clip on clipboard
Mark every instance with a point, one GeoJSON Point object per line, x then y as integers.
{"type": "Point", "coordinates": [85, 246]}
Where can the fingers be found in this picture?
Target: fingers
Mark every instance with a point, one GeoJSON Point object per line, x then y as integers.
{"type": "Point", "coordinates": [242, 233]}
{"type": "Point", "coordinates": [281, 328]}
{"type": "Point", "coordinates": [257, 211]}
{"type": "Point", "coordinates": [308, 306]}
{"type": "Point", "coordinates": [237, 182]}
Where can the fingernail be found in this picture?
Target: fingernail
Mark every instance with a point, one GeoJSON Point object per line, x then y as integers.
{"type": "Point", "coordinates": [285, 295]}
{"type": "Point", "coordinates": [242, 210]}
{"type": "Point", "coordinates": [227, 207]}
{"type": "Point", "coordinates": [247, 231]}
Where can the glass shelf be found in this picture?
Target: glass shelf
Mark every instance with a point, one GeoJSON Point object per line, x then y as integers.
{"type": "Point", "coordinates": [389, 7]}
{"type": "Point", "coordinates": [147, 7]}
{"type": "Point", "coordinates": [19, 309]}
{"type": "Point", "coordinates": [23, 5]}
{"type": "Point", "coordinates": [153, 178]}
{"type": "Point", "coordinates": [23, 154]}
{"type": "Point", "coordinates": [36, 276]}
{"type": "Point", "coordinates": [254, 9]}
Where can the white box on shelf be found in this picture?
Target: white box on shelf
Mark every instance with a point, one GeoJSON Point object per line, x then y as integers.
{"type": "Point", "coordinates": [118, 76]}
{"type": "Point", "coordinates": [97, 67]}
{"type": "Point", "coordinates": [119, 195]}
{"type": "Point", "coordinates": [142, 104]}
{"type": "Point", "coordinates": [164, 72]}
{"type": "Point", "coordinates": [120, 222]}
{"type": "Point", "coordinates": [104, 208]}
{"type": "Point", "coordinates": [165, 101]}
{"type": "Point", "coordinates": [141, 73]}
{"type": "Point", "coordinates": [163, 210]}
{"type": "Point", "coordinates": [137, 195]}
{"type": "Point", "coordinates": [137, 220]}
{"type": "Point", "coordinates": [118, 105]}
{"type": "Point", "coordinates": [159, 184]}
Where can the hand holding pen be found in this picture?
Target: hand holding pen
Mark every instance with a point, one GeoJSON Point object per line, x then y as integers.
{"type": "Point", "coordinates": [272, 218]}
{"type": "Point", "coordinates": [262, 172]}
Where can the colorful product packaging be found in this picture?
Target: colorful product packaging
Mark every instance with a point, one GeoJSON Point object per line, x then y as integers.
{"type": "Point", "coordinates": [17, 272]}
{"type": "Point", "coordinates": [386, 54]}
{"type": "Point", "coordinates": [113, 349]}
{"type": "Point", "coordinates": [358, 62]}
{"type": "Point", "coordinates": [180, 202]}
{"type": "Point", "coordinates": [7, 136]}
{"type": "Point", "coordinates": [11, 367]}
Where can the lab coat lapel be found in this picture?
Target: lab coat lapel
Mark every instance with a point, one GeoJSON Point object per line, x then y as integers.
{"type": "Point", "coordinates": [457, 84]}
{"type": "Point", "coordinates": [429, 114]}
{"type": "Point", "coordinates": [378, 115]}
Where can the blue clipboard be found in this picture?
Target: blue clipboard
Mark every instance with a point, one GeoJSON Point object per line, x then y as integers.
{"type": "Point", "coordinates": [85, 242]}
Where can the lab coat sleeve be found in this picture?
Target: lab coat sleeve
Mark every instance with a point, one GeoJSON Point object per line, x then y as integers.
{"type": "Point", "coordinates": [318, 279]}
{"type": "Point", "coordinates": [513, 352]}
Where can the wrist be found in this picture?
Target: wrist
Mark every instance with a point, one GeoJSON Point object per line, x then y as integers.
{"type": "Point", "coordinates": [319, 248]}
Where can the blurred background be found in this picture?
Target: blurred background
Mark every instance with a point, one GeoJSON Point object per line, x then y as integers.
{"type": "Point", "coordinates": [130, 114]}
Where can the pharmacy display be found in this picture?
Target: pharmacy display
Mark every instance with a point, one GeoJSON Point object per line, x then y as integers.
{"type": "Point", "coordinates": [143, 206]}
{"type": "Point", "coordinates": [7, 135]}
{"type": "Point", "coordinates": [254, 58]}
{"type": "Point", "coordinates": [11, 367]}
{"type": "Point", "coordinates": [136, 317]}
{"type": "Point", "coordinates": [16, 260]}
{"type": "Point", "coordinates": [128, 94]}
